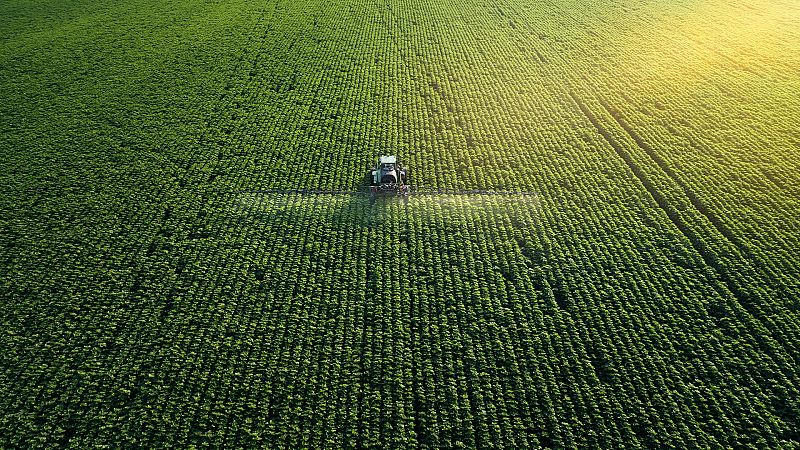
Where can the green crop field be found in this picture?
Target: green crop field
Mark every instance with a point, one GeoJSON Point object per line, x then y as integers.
{"type": "Point", "coordinates": [602, 249]}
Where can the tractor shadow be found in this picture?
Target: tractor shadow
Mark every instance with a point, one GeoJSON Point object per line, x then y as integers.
{"type": "Point", "coordinates": [356, 210]}
{"type": "Point", "coordinates": [359, 210]}
{"type": "Point", "coordinates": [334, 211]}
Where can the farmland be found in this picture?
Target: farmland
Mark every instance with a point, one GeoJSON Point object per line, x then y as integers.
{"type": "Point", "coordinates": [633, 282]}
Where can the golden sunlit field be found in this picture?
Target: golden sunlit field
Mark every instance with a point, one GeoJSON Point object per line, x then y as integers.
{"type": "Point", "coordinates": [600, 247]}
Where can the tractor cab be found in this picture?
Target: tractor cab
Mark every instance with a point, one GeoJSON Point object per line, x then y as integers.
{"type": "Point", "coordinates": [388, 177]}
{"type": "Point", "coordinates": [386, 171]}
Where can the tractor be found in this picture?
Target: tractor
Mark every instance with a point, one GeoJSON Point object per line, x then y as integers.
{"type": "Point", "coordinates": [389, 177]}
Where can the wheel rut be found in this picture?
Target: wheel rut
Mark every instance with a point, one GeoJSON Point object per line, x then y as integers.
{"type": "Point", "coordinates": [664, 204]}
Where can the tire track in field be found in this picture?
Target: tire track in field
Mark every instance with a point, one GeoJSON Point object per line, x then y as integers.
{"type": "Point", "coordinates": [744, 251]}
{"type": "Point", "coordinates": [747, 300]}
{"type": "Point", "coordinates": [697, 243]}
{"type": "Point", "coordinates": [696, 202]}
{"type": "Point", "coordinates": [744, 277]}
{"type": "Point", "coordinates": [755, 266]}
{"type": "Point", "coordinates": [759, 265]}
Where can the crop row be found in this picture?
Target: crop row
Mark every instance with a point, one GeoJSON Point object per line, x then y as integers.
{"type": "Point", "coordinates": [152, 296]}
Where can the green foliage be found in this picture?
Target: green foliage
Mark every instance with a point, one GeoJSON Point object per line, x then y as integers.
{"type": "Point", "coordinates": [642, 294]}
